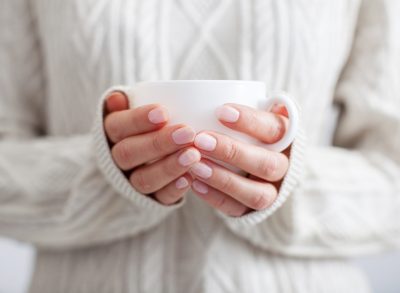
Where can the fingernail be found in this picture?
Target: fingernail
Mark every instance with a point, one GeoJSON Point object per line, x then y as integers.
{"type": "Point", "coordinates": [202, 170]}
{"type": "Point", "coordinates": [205, 142]}
{"type": "Point", "coordinates": [227, 114]}
{"type": "Point", "coordinates": [189, 157]}
{"type": "Point", "coordinates": [183, 135]}
{"type": "Point", "coordinates": [276, 108]}
{"type": "Point", "coordinates": [158, 115]}
{"type": "Point", "coordinates": [200, 187]}
{"type": "Point", "coordinates": [181, 183]}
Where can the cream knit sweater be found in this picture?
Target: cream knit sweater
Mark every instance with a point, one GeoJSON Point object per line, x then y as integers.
{"type": "Point", "coordinates": [60, 190]}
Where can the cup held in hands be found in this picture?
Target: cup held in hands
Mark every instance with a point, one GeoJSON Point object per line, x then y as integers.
{"type": "Point", "coordinates": [193, 102]}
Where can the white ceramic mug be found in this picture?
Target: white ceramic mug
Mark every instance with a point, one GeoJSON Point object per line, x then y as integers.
{"type": "Point", "coordinates": [193, 102]}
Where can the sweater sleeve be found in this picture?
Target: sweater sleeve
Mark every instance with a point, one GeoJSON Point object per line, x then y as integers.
{"type": "Point", "coordinates": [344, 200]}
{"type": "Point", "coordinates": [56, 192]}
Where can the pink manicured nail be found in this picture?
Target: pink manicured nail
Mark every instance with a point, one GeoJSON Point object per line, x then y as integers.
{"type": "Point", "coordinates": [200, 187]}
{"type": "Point", "coordinates": [183, 135]}
{"type": "Point", "coordinates": [181, 183]}
{"type": "Point", "coordinates": [158, 115]}
{"type": "Point", "coordinates": [202, 170]}
{"type": "Point", "coordinates": [205, 142]}
{"type": "Point", "coordinates": [189, 157]}
{"type": "Point", "coordinates": [227, 114]}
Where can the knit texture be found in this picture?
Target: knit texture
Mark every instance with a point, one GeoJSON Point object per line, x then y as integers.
{"type": "Point", "coordinates": [61, 191]}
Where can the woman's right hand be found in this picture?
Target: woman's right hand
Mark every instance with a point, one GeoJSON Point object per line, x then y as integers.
{"type": "Point", "coordinates": [155, 156]}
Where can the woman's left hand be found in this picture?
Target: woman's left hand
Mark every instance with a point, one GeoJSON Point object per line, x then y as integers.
{"type": "Point", "coordinates": [227, 191]}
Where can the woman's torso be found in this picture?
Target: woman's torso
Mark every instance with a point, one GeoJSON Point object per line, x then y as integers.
{"type": "Point", "coordinates": [89, 45]}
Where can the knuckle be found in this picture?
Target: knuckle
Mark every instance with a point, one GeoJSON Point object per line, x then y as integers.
{"type": "Point", "coordinates": [274, 167]}
{"type": "Point", "coordinates": [238, 211]}
{"type": "Point", "coordinates": [140, 183]}
{"type": "Point", "coordinates": [268, 166]}
{"type": "Point", "coordinates": [220, 203]}
{"type": "Point", "coordinates": [230, 151]}
{"type": "Point", "coordinates": [156, 143]}
{"type": "Point", "coordinates": [265, 198]}
{"type": "Point", "coordinates": [121, 154]}
{"type": "Point", "coordinates": [260, 201]}
{"type": "Point", "coordinates": [226, 183]}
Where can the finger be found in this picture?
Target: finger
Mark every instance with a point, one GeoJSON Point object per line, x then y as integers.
{"type": "Point", "coordinates": [139, 149]}
{"type": "Point", "coordinates": [280, 110]}
{"type": "Point", "coordinates": [268, 165]}
{"type": "Point", "coordinates": [276, 184]}
{"type": "Point", "coordinates": [219, 200]}
{"type": "Point", "coordinates": [116, 101]}
{"type": "Point", "coordinates": [122, 124]}
{"type": "Point", "coordinates": [152, 177]}
{"type": "Point", "coordinates": [253, 194]}
{"type": "Point", "coordinates": [265, 126]}
{"type": "Point", "coordinates": [174, 192]}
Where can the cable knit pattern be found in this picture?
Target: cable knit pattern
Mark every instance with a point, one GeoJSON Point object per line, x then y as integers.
{"type": "Point", "coordinates": [61, 191]}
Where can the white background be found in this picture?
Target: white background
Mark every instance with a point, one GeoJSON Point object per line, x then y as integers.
{"type": "Point", "coordinates": [16, 266]}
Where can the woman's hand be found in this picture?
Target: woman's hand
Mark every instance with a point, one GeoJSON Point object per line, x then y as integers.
{"type": "Point", "coordinates": [155, 157]}
{"type": "Point", "coordinates": [227, 191]}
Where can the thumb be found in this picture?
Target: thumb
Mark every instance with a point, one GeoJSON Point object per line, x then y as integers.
{"type": "Point", "coordinates": [116, 101]}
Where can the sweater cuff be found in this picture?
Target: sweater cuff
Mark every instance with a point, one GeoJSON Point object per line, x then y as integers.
{"type": "Point", "coordinates": [114, 176]}
{"type": "Point", "coordinates": [290, 182]}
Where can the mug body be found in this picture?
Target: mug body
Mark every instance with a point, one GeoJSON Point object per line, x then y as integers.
{"type": "Point", "coordinates": [193, 102]}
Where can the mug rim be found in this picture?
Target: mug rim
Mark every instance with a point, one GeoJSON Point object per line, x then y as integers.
{"type": "Point", "coordinates": [198, 81]}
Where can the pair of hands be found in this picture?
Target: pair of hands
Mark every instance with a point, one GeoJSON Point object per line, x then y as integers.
{"type": "Point", "coordinates": [165, 161]}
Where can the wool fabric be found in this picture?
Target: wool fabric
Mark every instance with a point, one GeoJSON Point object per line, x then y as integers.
{"type": "Point", "coordinates": [61, 191]}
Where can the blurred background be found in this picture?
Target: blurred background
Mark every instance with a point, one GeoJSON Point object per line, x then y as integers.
{"type": "Point", "coordinates": [16, 267]}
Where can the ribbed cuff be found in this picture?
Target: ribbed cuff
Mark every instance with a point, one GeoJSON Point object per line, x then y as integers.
{"type": "Point", "coordinates": [111, 172]}
{"type": "Point", "coordinates": [291, 180]}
